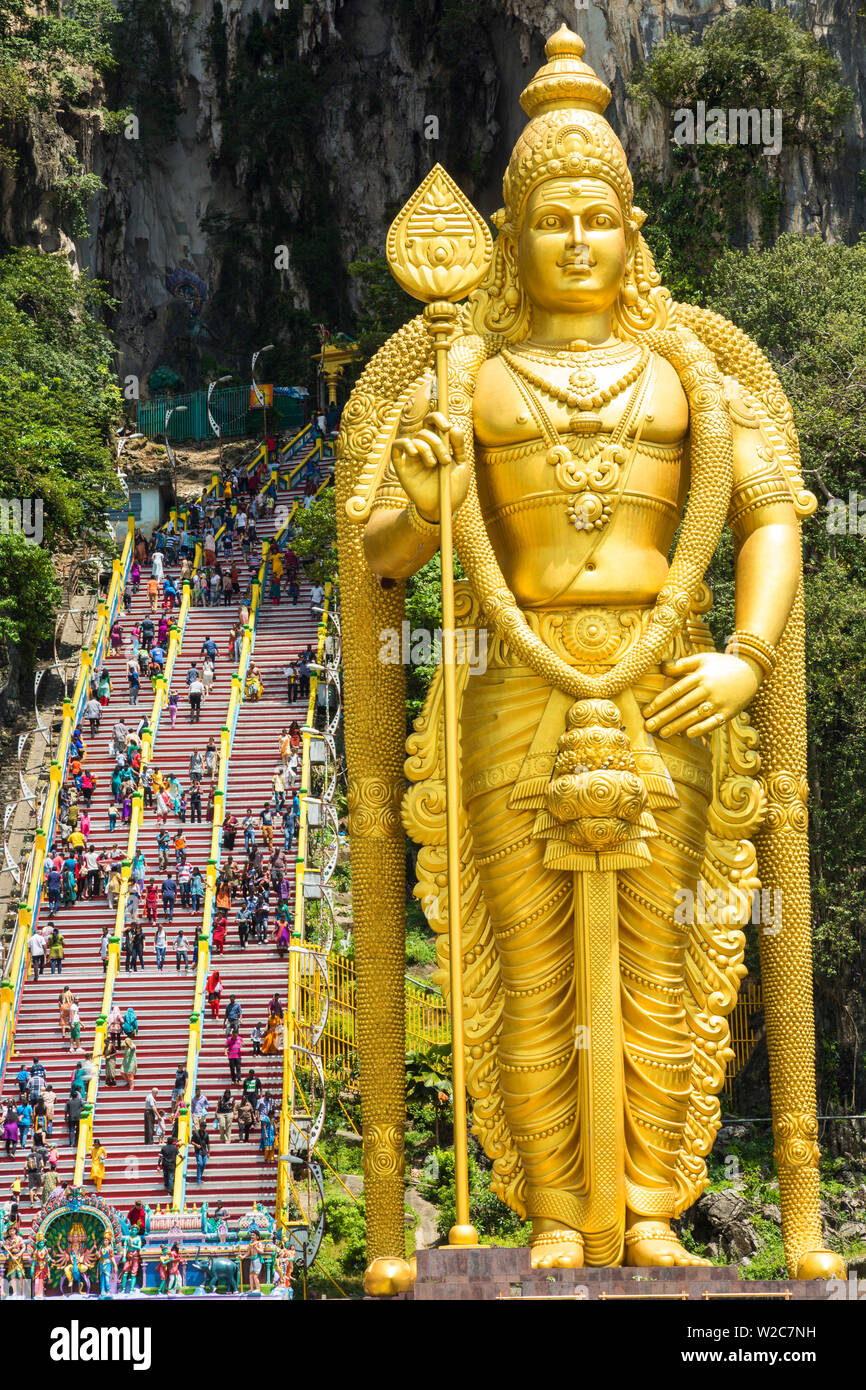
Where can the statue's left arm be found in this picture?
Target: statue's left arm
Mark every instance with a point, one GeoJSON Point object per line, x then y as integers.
{"type": "Point", "coordinates": [766, 535]}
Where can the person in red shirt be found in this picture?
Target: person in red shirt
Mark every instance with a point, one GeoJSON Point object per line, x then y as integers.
{"type": "Point", "coordinates": [214, 990]}
{"type": "Point", "coordinates": [136, 1217]}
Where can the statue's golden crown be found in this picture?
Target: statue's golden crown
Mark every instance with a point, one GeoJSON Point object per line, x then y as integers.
{"type": "Point", "coordinates": [567, 134]}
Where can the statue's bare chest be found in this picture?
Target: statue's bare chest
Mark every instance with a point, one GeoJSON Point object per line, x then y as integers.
{"type": "Point", "coordinates": [574, 391]}
{"type": "Point", "coordinates": [526, 412]}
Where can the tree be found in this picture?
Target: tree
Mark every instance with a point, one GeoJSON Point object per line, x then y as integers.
{"type": "Point", "coordinates": [314, 536]}
{"type": "Point", "coordinates": [29, 595]}
{"type": "Point", "coordinates": [729, 192]}
{"type": "Point", "coordinates": [58, 396]}
{"type": "Point", "coordinates": [57, 402]}
{"type": "Point", "coordinates": [385, 306]}
{"type": "Point", "coordinates": [428, 1080]}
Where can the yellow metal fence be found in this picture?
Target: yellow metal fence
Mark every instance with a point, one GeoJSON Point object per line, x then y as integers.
{"type": "Point", "coordinates": [426, 1017]}
{"type": "Point", "coordinates": [744, 1034]}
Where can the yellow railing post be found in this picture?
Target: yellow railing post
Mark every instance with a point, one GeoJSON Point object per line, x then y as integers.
{"type": "Point", "coordinates": [285, 1126]}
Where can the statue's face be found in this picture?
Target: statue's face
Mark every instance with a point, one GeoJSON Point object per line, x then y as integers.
{"type": "Point", "coordinates": [572, 248]}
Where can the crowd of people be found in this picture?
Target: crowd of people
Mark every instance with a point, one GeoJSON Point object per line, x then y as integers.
{"type": "Point", "coordinates": [75, 870]}
{"type": "Point", "coordinates": [27, 1126]}
{"type": "Point", "coordinates": [258, 890]}
{"type": "Point", "coordinates": [252, 1108]}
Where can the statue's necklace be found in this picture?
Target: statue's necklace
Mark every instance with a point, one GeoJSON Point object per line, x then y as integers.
{"type": "Point", "coordinates": [596, 483]}
{"type": "Point", "coordinates": [581, 381]}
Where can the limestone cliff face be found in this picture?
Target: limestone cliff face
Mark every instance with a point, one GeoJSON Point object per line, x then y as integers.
{"type": "Point", "coordinates": [306, 127]}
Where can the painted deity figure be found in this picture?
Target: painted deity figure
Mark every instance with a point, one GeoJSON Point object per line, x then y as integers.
{"type": "Point", "coordinates": [614, 767]}
{"type": "Point", "coordinates": [284, 1265]}
{"type": "Point", "coordinates": [14, 1248]}
{"type": "Point", "coordinates": [107, 1267]}
{"type": "Point", "coordinates": [131, 1266]}
{"type": "Point", "coordinates": [40, 1270]}
{"type": "Point", "coordinates": [169, 1271]}
{"type": "Point", "coordinates": [76, 1260]}
{"type": "Point", "coordinates": [175, 1271]}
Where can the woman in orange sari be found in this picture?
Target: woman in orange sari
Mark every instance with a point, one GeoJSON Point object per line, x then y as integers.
{"type": "Point", "coordinates": [223, 895]}
{"type": "Point", "coordinates": [273, 1040]}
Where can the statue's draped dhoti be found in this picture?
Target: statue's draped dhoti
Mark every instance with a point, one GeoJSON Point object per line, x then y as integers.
{"type": "Point", "coordinates": [511, 721]}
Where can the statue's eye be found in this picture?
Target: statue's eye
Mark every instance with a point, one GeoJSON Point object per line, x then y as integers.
{"type": "Point", "coordinates": [549, 223]}
{"type": "Point", "coordinates": [602, 219]}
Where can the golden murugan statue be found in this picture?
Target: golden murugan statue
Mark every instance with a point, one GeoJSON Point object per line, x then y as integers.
{"type": "Point", "coordinates": [608, 765]}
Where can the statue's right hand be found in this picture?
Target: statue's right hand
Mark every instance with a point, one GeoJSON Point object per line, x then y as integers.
{"type": "Point", "coordinates": [418, 457]}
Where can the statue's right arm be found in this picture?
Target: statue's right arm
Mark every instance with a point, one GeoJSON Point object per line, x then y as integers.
{"type": "Point", "coordinates": [393, 548]}
{"type": "Point", "coordinates": [403, 531]}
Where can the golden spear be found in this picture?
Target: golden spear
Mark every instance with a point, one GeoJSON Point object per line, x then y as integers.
{"type": "Point", "coordinates": [439, 249]}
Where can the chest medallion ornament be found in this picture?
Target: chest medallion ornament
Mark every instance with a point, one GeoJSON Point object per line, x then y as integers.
{"type": "Point", "coordinates": [590, 468]}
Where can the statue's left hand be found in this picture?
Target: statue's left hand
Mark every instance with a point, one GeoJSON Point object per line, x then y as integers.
{"type": "Point", "coordinates": [710, 688]}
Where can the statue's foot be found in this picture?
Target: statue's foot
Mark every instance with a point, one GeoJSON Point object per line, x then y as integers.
{"type": "Point", "coordinates": [386, 1277]}
{"type": "Point", "coordinates": [650, 1244]}
{"type": "Point", "coordinates": [560, 1248]}
{"type": "Point", "coordinates": [821, 1264]}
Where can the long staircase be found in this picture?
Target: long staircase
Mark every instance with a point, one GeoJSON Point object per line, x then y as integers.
{"type": "Point", "coordinates": [38, 1032]}
{"type": "Point", "coordinates": [163, 1001]}
{"type": "Point", "coordinates": [236, 1172]}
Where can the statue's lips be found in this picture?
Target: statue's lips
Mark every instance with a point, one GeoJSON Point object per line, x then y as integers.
{"type": "Point", "coordinates": [576, 267]}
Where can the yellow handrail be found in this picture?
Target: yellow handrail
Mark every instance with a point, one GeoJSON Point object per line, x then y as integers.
{"type": "Point", "coordinates": [292, 1002]}
{"type": "Point", "coordinates": [427, 1022]}
{"type": "Point", "coordinates": [148, 739]}
{"type": "Point", "coordinates": [19, 959]}
{"type": "Point", "coordinates": [284, 1177]}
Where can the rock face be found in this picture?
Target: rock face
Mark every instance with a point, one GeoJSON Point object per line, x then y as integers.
{"type": "Point", "coordinates": [306, 127]}
{"type": "Point", "coordinates": [723, 1220]}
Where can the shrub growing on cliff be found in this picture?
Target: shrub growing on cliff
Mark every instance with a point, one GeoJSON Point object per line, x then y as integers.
{"type": "Point", "coordinates": [749, 58]}
{"type": "Point", "coordinates": [57, 401]}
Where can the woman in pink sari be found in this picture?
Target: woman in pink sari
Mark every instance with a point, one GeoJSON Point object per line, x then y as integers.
{"type": "Point", "coordinates": [282, 937]}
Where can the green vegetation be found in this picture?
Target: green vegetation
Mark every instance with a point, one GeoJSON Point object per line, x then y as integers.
{"type": "Point", "coordinates": [385, 307]}
{"type": "Point", "coordinates": [51, 58]}
{"type": "Point", "coordinates": [725, 193]}
{"type": "Point", "coordinates": [420, 948]}
{"type": "Point", "coordinates": [342, 1253]}
{"type": "Point", "coordinates": [748, 1168]}
{"type": "Point", "coordinates": [72, 195]}
{"type": "Point", "coordinates": [424, 611]}
{"type": "Point", "coordinates": [29, 595]}
{"type": "Point", "coordinates": [314, 536]}
{"type": "Point", "coordinates": [48, 55]}
{"type": "Point", "coordinates": [57, 402]}
{"type": "Point", "coordinates": [495, 1222]}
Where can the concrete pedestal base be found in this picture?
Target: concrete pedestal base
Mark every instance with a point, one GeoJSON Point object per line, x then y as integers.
{"type": "Point", "coordinates": [497, 1273]}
